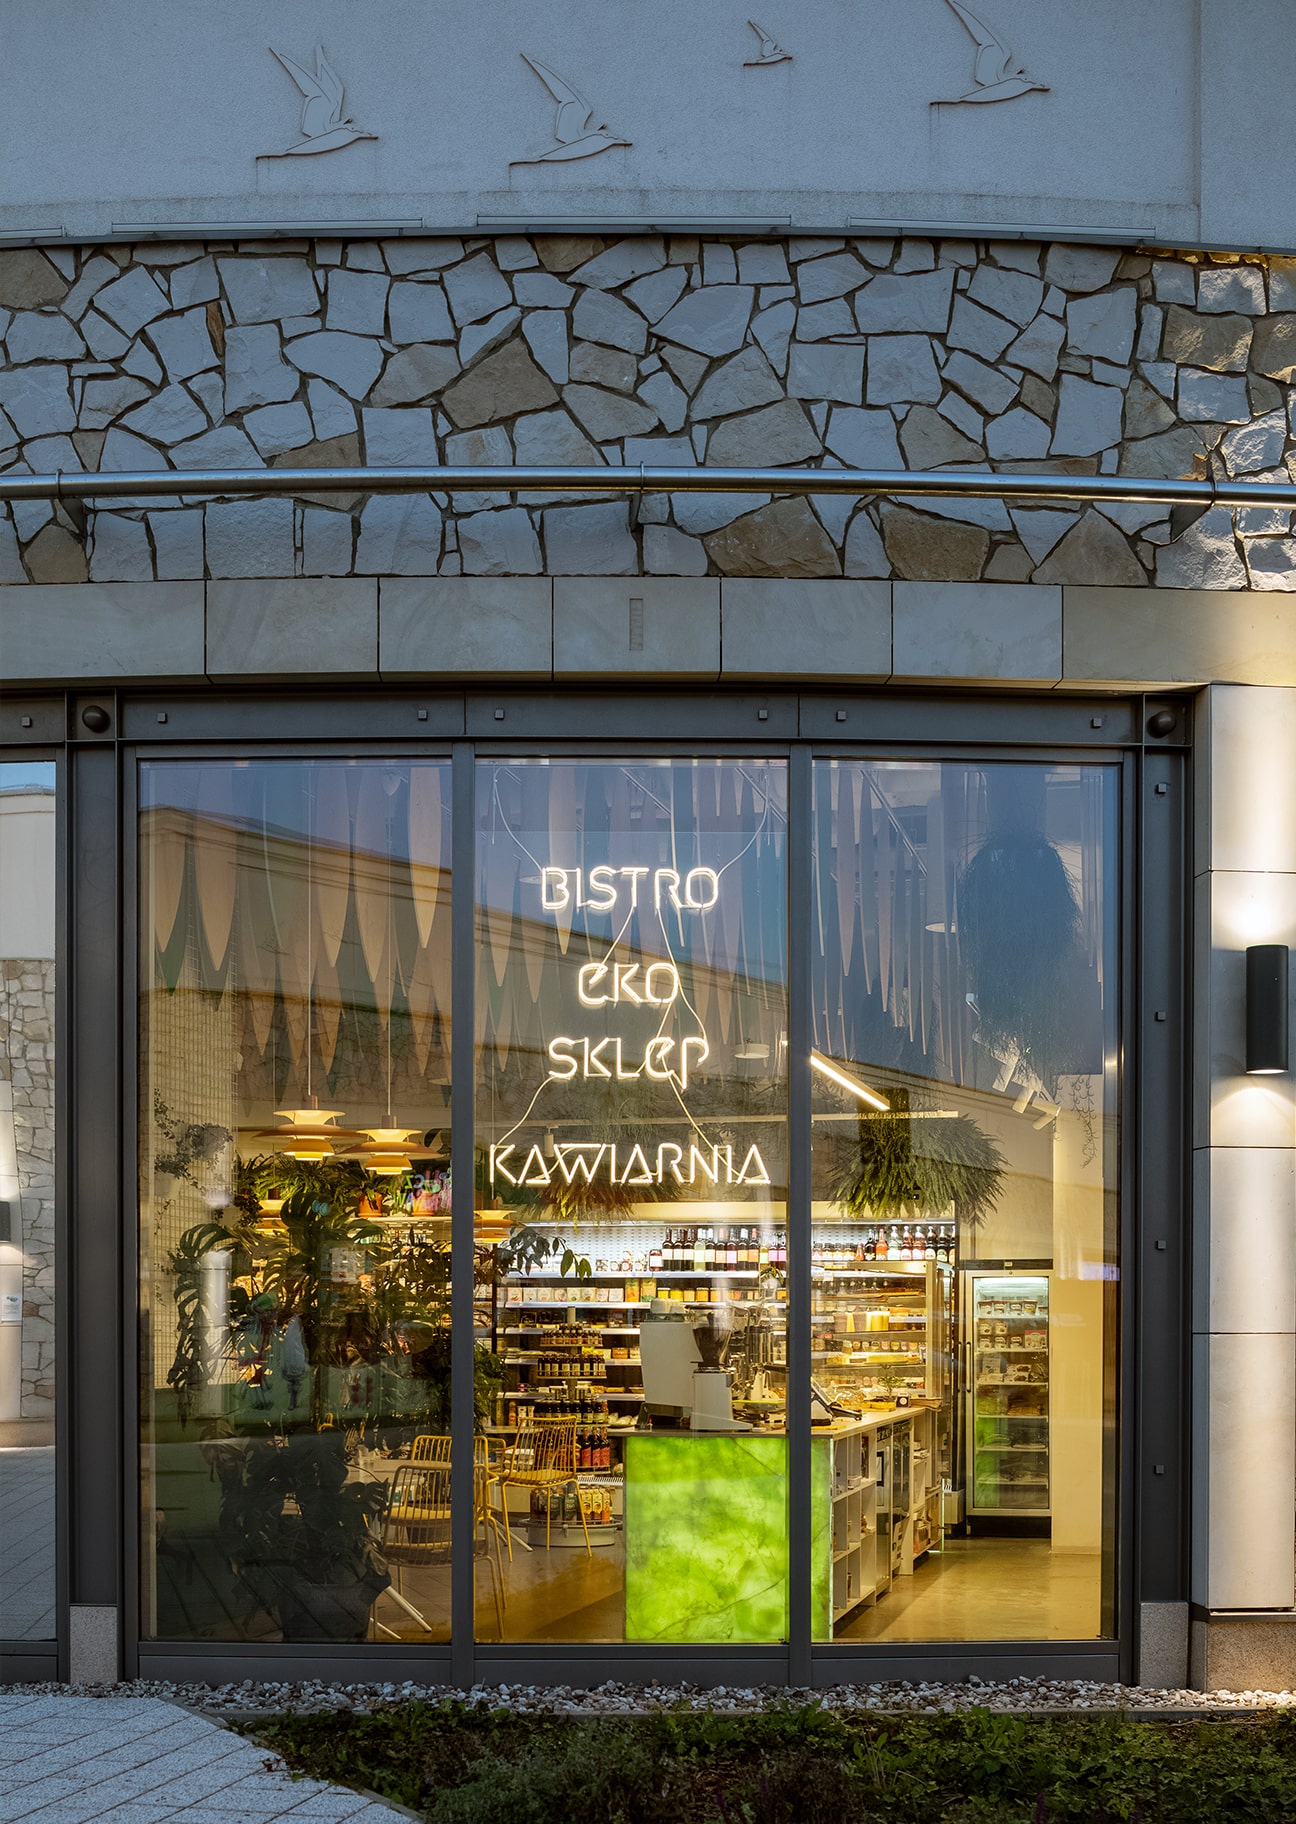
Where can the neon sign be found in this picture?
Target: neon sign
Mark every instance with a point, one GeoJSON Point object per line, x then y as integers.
{"type": "Point", "coordinates": [602, 889]}
{"type": "Point", "coordinates": [585, 1160]}
{"type": "Point", "coordinates": [661, 984]}
{"type": "Point", "coordinates": [568, 1057]}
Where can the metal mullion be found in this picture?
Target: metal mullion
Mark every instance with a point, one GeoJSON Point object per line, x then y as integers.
{"type": "Point", "coordinates": [129, 950]}
{"type": "Point", "coordinates": [1156, 1517]}
{"type": "Point", "coordinates": [94, 1262]}
{"type": "Point", "coordinates": [800, 854]}
{"type": "Point", "coordinates": [462, 1209]}
{"type": "Point", "coordinates": [62, 1224]}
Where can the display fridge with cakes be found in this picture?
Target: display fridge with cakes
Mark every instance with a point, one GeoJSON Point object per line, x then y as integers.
{"type": "Point", "coordinates": [1008, 1427]}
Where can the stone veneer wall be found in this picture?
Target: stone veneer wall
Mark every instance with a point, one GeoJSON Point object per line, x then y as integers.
{"type": "Point", "coordinates": [27, 1063]}
{"type": "Point", "coordinates": [573, 349]}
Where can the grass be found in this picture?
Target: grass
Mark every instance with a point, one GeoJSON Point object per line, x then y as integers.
{"type": "Point", "coordinates": [456, 1764]}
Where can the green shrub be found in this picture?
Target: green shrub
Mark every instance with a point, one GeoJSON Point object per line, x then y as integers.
{"type": "Point", "coordinates": [460, 1764]}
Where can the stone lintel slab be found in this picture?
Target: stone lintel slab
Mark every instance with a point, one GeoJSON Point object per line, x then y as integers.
{"type": "Point", "coordinates": [977, 633]}
{"type": "Point", "coordinates": [465, 627]}
{"type": "Point", "coordinates": [288, 627]}
{"type": "Point", "coordinates": [1149, 638]}
{"type": "Point", "coordinates": [819, 631]}
{"type": "Point", "coordinates": [100, 632]}
{"type": "Point", "coordinates": [637, 626]}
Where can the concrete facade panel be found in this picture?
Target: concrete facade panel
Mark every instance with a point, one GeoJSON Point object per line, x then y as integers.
{"type": "Point", "coordinates": [1131, 638]}
{"type": "Point", "coordinates": [1245, 1466]}
{"type": "Point", "coordinates": [293, 628]}
{"type": "Point", "coordinates": [662, 627]}
{"type": "Point", "coordinates": [984, 633]}
{"type": "Point", "coordinates": [100, 631]}
{"type": "Point", "coordinates": [465, 627]}
{"type": "Point", "coordinates": [817, 631]}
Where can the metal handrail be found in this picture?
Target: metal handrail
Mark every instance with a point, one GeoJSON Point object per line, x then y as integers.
{"type": "Point", "coordinates": [640, 478]}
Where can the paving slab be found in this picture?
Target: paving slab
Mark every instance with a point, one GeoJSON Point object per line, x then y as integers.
{"type": "Point", "coordinates": [133, 1760]}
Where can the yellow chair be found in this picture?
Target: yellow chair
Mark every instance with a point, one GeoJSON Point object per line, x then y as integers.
{"type": "Point", "coordinates": [544, 1456]}
{"type": "Point", "coordinates": [434, 1447]}
{"type": "Point", "coordinates": [416, 1528]}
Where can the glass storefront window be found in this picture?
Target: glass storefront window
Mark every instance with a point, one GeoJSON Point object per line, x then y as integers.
{"type": "Point", "coordinates": [965, 1261]}
{"type": "Point", "coordinates": [294, 1200]}
{"type": "Point", "coordinates": [27, 1388]}
{"type": "Point", "coordinates": [631, 1228]}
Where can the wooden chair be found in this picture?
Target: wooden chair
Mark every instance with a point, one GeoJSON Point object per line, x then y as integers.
{"type": "Point", "coordinates": [544, 1456]}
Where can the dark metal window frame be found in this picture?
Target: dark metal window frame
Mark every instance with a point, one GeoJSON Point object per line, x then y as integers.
{"type": "Point", "coordinates": [39, 1659]}
{"type": "Point", "coordinates": [97, 1063]}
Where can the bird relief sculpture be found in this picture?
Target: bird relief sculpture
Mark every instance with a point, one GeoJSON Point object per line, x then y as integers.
{"type": "Point", "coordinates": [996, 72]}
{"type": "Point", "coordinates": [324, 125]}
{"type": "Point", "coordinates": [575, 133]}
{"type": "Point", "coordinates": [770, 50]}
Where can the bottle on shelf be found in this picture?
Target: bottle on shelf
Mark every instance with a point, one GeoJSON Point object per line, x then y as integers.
{"type": "Point", "coordinates": [699, 1260]}
{"type": "Point", "coordinates": [906, 1243]}
{"type": "Point", "coordinates": [929, 1243]}
{"type": "Point", "coordinates": [893, 1243]}
{"type": "Point", "coordinates": [881, 1251]}
{"type": "Point", "coordinates": [655, 1259]}
{"type": "Point", "coordinates": [763, 1253]}
{"type": "Point", "coordinates": [731, 1250]}
{"type": "Point", "coordinates": [870, 1245]}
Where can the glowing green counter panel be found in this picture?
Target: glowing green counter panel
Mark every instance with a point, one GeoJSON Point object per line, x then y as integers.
{"type": "Point", "coordinates": [706, 1537]}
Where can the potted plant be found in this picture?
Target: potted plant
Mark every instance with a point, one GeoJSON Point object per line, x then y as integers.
{"type": "Point", "coordinates": [300, 1536]}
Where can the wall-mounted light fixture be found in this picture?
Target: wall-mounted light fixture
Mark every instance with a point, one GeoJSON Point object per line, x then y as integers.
{"type": "Point", "coordinates": [1266, 1009]}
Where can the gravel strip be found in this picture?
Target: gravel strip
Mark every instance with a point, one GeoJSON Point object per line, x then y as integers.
{"type": "Point", "coordinates": [258, 1699]}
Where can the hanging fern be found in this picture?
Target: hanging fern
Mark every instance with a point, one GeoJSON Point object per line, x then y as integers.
{"type": "Point", "coordinates": [881, 1175]}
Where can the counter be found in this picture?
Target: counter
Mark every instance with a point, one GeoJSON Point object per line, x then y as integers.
{"type": "Point", "coordinates": [706, 1529]}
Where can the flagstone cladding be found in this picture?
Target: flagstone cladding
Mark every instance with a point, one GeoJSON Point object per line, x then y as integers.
{"type": "Point", "coordinates": [576, 349]}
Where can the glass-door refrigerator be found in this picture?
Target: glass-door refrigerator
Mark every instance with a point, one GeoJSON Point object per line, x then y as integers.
{"type": "Point", "coordinates": [1008, 1408]}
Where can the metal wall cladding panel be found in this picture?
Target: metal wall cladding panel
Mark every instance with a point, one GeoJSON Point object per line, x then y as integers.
{"type": "Point", "coordinates": [954, 721]}
{"type": "Point", "coordinates": [636, 717]}
{"type": "Point", "coordinates": [354, 716]}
